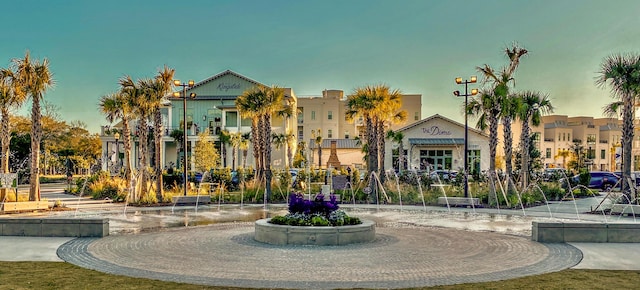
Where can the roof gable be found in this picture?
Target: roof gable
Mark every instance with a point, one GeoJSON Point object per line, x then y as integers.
{"type": "Point", "coordinates": [226, 83]}
{"type": "Point", "coordinates": [438, 116]}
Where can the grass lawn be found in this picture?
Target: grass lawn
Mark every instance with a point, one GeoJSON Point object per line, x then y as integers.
{"type": "Point", "coordinates": [59, 275]}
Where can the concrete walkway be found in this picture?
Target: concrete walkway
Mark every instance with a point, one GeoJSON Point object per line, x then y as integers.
{"type": "Point", "coordinates": [415, 247]}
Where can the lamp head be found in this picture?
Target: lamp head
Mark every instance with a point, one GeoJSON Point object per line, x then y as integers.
{"type": "Point", "coordinates": [474, 92]}
{"type": "Point", "coordinates": [116, 136]}
{"type": "Point", "coordinates": [176, 82]}
{"type": "Point", "coordinates": [176, 94]}
{"type": "Point", "coordinates": [456, 93]}
{"type": "Point", "coordinates": [458, 80]}
{"type": "Point", "coordinates": [192, 95]}
{"type": "Point", "coordinates": [191, 83]}
{"type": "Point", "coordinates": [474, 79]}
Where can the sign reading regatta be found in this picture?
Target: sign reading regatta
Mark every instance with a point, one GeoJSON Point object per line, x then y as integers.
{"type": "Point", "coordinates": [225, 87]}
{"type": "Point", "coordinates": [435, 131]}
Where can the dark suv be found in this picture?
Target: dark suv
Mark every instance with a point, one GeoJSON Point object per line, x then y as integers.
{"type": "Point", "coordinates": [603, 180]}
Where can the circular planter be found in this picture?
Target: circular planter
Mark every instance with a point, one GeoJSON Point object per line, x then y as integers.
{"type": "Point", "coordinates": [319, 236]}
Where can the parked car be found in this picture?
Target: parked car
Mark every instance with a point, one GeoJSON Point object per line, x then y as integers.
{"type": "Point", "coordinates": [445, 175]}
{"type": "Point", "coordinates": [602, 180]}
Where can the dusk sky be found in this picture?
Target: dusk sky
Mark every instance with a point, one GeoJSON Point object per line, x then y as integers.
{"type": "Point", "coordinates": [418, 47]}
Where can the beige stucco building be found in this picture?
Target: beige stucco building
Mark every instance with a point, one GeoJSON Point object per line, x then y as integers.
{"type": "Point", "coordinates": [557, 133]}
{"type": "Point", "coordinates": [326, 114]}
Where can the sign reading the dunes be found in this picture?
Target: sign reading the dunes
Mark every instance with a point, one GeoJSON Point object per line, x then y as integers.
{"type": "Point", "coordinates": [436, 131]}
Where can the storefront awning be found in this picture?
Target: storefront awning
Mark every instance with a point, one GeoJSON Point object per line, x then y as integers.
{"type": "Point", "coordinates": [436, 141]}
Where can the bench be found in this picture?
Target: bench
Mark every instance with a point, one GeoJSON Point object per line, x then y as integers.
{"type": "Point", "coordinates": [191, 200]}
{"type": "Point", "coordinates": [25, 206]}
{"type": "Point", "coordinates": [459, 201]}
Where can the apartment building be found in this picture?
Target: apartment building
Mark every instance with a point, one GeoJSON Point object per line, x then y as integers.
{"type": "Point", "coordinates": [556, 134]}
{"type": "Point", "coordinates": [325, 116]}
{"type": "Point", "coordinates": [212, 109]}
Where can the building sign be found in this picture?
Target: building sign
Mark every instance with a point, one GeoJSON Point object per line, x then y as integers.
{"type": "Point", "coordinates": [435, 131]}
{"type": "Point", "coordinates": [225, 87]}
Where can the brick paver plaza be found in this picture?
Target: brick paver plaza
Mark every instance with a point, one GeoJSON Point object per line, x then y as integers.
{"type": "Point", "coordinates": [403, 255]}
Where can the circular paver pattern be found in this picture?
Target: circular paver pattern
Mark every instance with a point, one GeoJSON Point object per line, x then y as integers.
{"type": "Point", "coordinates": [401, 256]}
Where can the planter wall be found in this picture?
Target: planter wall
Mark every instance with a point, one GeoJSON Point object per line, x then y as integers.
{"type": "Point", "coordinates": [319, 236]}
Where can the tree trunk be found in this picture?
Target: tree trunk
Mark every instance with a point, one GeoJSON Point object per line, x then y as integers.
{"type": "Point", "coordinates": [126, 135]}
{"type": "Point", "coordinates": [524, 141]}
{"type": "Point", "coordinates": [157, 138]}
{"type": "Point", "coordinates": [5, 139]}
{"type": "Point", "coordinates": [381, 153]}
{"type": "Point", "coordinates": [493, 145]}
{"type": "Point", "coordinates": [627, 141]}
{"type": "Point", "coordinates": [255, 139]}
{"type": "Point", "coordinates": [36, 135]}
{"type": "Point", "coordinates": [267, 154]}
{"type": "Point", "coordinates": [143, 134]}
{"type": "Point", "coordinates": [508, 150]}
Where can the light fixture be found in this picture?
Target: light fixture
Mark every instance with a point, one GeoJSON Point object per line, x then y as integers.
{"type": "Point", "coordinates": [184, 86]}
{"type": "Point", "coordinates": [204, 117]}
{"type": "Point", "coordinates": [466, 83]}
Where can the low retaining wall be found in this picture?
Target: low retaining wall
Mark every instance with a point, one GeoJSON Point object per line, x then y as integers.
{"type": "Point", "coordinates": [559, 232]}
{"type": "Point", "coordinates": [35, 227]}
{"type": "Point", "coordinates": [319, 236]}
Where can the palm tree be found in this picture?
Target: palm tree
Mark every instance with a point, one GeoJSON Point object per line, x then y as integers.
{"type": "Point", "coordinates": [285, 112]}
{"type": "Point", "coordinates": [272, 104]}
{"type": "Point", "coordinates": [10, 97]}
{"type": "Point", "coordinates": [34, 78]}
{"type": "Point", "coordinates": [278, 140]}
{"type": "Point", "coordinates": [317, 140]}
{"type": "Point", "coordinates": [244, 146]}
{"type": "Point", "coordinates": [117, 106]}
{"type": "Point", "coordinates": [486, 108]}
{"type": "Point", "coordinates": [387, 112]}
{"type": "Point", "coordinates": [142, 109]}
{"type": "Point", "coordinates": [225, 138]}
{"type": "Point", "coordinates": [499, 89]}
{"type": "Point", "coordinates": [234, 139]}
{"type": "Point", "coordinates": [531, 107]}
{"type": "Point", "coordinates": [621, 72]}
{"type": "Point", "coordinates": [248, 105]}
{"type": "Point", "coordinates": [260, 103]}
{"type": "Point", "coordinates": [398, 137]}
{"type": "Point", "coordinates": [158, 89]}
{"type": "Point", "coordinates": [361, 104]}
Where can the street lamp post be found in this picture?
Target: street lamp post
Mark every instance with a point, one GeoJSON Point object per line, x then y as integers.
{"type": "Point", "coordinates": [466, 126]}
{"type": "Point", "coordinates": [184, 86]}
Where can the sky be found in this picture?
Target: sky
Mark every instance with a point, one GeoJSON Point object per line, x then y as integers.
{"type": "Point", "coordinates": [418, 47]}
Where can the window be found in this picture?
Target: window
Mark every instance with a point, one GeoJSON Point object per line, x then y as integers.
{"type": "Point", "coordinates": [313, 115]}
{"type": "Point", "coordinates": [416, 117]}
{"type": "Point", "coordinates": [329, 133]}
{"type": "Point", "coordinates": [568, 136]}
{"type": "Point", "coordinates": [330, 115]}
{"type": "Point", "coordinates": [346, 134]}
{"type": "Point", "coordinates": [591, 139]}
{"type": "Point", "coordinates": [548, 153]}
{"type": "Point", "coordinates": [603, 154]}
{"type": "Point", "coordinates": [559, 137]}
{"type": "Point", "coordinates": [231, 119]}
